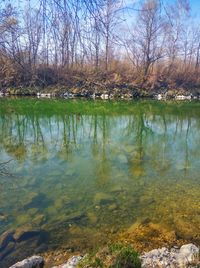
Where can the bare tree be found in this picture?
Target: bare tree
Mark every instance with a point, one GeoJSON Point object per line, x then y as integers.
{"type": "Point", "coordinates": [149, 34]}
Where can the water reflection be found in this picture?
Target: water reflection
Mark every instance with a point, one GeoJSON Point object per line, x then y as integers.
{"type": "Point", "coordinates": [82, 175]}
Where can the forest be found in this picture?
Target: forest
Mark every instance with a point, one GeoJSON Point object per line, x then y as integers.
{"type": "Point", "coordinates": [150, 44]}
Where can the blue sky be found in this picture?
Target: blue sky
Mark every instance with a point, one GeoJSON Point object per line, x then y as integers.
{"type": "Point", "coordinates": [195, 7]}
{"type": "Point", "coordinates": [131, 15]}
{"type": "Point", "coordinates": [195, 4]}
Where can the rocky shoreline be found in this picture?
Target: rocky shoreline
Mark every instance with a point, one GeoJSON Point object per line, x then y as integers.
{"type": "Point", "coordinates": [186, 256]}
{"type": "Point", "coordinates": [104, 91]}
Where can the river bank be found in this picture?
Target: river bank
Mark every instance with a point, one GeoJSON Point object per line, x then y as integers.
{"type": "Point", "coordinates": [104, 91]}
{"type": "Point", "coordinates": [155, 245]}
{"type": "Point", "coordinates": [120, 256]}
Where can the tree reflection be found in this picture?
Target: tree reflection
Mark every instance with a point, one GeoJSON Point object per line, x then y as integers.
{"type": "Point", "coordinates": [151, 134]}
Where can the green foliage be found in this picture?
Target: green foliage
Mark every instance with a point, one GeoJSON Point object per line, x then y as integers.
{"type": "Point", "coordinates": [91, 261]}
{"type": "Point", "coordinates": [126, 257]}
{"type": "Point", "coordinates": [114, 256]}
{"type": "Point", "coordinates": [97, 263]}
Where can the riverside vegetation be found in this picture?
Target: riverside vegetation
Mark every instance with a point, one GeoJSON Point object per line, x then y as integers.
{"type": "Point", "coordinates": [148, 46]}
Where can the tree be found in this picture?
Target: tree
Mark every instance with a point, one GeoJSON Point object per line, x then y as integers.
{"type": "Point", "coordinates": [149, 35]}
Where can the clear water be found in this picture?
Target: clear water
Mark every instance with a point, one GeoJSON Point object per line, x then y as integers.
{"type": "Point", "coordinates": [86, 170]}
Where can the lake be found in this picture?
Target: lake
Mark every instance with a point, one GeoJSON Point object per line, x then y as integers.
{"type": "Point", "coordinates": [84, 171]}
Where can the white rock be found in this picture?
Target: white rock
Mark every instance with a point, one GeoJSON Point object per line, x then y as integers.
{"type": "Point", "coordinates": [104, 96]}
{"type": "Point", "coordinates": [188, 254]}
{"type": "Point", "coordinates": [174, 258]}
{"type": "Point", "coordinates": [71, 263]}
{"type": "Point", "coordinates": [45, 95]}
{"type": "Point", "coordinates": [183, 97]}
{"type": "Point", "coordinates": [68, 95]}
{"type": "Point", "coordinates": [159, 97]}
{"type": "Point", "coordinates": [32, 262]}
{"type": "Point", "coordinates": [111, 96]}
{"type": "Point", "coordinates": [93, 96]}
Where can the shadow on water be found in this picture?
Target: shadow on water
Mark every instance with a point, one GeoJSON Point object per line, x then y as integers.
{"type": "Point", "coordinates": [86, 171]}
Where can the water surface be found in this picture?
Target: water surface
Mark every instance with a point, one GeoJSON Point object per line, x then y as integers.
{"type": "Point", "coordinates": [86, 170]}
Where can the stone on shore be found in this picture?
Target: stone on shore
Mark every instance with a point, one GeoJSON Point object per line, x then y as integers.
{"type": "Point", "coordinates": [32, 262]}
{"type": "Point", "coordinates": [185, 257]}
{"type": "Point", "coordinates": [71, 263]}
{"type": "Point", "coordinates": [161, 258]}
{"type": "Point", "coordinates": [188, 254]}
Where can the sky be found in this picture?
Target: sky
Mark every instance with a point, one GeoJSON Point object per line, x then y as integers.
{"type": "Point", "coordinates": [194, 9]}
{"type": "Point", "coordinates": [195, 5]}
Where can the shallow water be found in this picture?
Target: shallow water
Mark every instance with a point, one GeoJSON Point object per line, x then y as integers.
{"type": "Point", "coordinates": [85, 170]}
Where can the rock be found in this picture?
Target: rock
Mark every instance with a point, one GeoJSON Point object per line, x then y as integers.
{"type": "Point", "coordinates": [158, 258]}
{"type": "Point", "coordinates": [75, 216]}
{"type": "Point", "coordinates": [39, 219]}
{"type": "Point", "coordinates": [32, 262]}
{"type": "Point", "coordinates": [25, 232]}
{"type": "Point", "coordinates": [104, 96]}
{"type": "Point", "coordinates": [23, 219]}
{"type": "Point", "coordinates": [71, 263]}
{"type": "Point", "coordinates": [37, 200]}
{"type": "Point", "coordinates": [32, 211]}
{"type": "Point", "coordinates": [92, 217]}
{"type": "Point", "coordinates": [45, 95]}
{"type": "Point", "coordinates": [5, 238]}
{"type": "Point", "coordinates": [68, 95]}
{"type": "Point", "coordinates": [102, 198]}
{"type": "Point", "coordinates": [159, 97]}
{"type": "Point", "coordinates": [117, 189]}
{"type": "Point", "coordinates": [7, 250]}
{"type": "Point", "coordinates": [112, 207]}
{"type": "Point", "coordinates": [187, 255]}
{"type": "Point", "coordinates": [183, 97]}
